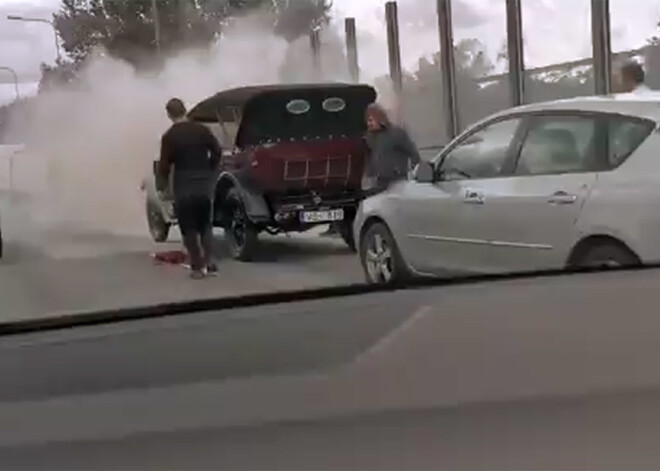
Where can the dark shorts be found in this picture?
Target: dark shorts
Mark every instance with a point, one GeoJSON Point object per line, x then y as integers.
{"type": "Point", "coordinates": [193, 214]}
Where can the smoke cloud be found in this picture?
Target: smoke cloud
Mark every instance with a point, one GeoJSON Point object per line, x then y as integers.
{"type": "Point", "coordinates": [89, 146]}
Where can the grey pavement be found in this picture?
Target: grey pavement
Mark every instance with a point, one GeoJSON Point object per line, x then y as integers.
{"type": "Point", "coordinates": [72, 271]}
{"type": "Point", "coordinates": [547, 373]}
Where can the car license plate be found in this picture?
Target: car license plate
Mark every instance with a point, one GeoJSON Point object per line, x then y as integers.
{"type": "Point", "coordinates": [330, 215]}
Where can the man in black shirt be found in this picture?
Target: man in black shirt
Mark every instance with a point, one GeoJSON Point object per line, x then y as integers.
{"type": "Point", "coordinates": [194, 153]}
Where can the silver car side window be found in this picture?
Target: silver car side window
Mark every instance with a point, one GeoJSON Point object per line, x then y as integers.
{"type": "Point", "coordinates": [625, 135]}
{"type": "Point", "coordinates": [555, 145]}
{"type": "Point", "coordinates": [483, 153]}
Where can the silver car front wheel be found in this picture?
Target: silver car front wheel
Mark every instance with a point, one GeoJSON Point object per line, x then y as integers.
{"type": "Point", "coordinates": [381, 260]}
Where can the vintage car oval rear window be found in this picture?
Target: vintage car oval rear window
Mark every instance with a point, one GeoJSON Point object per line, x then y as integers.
{"type": "Point", "coordinates": [298, 106]}
{"type": "Point", "coordinates": [334, 104]}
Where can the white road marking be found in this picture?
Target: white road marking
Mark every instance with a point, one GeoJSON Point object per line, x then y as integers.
{"type": "Point", "coordinates": [384, 343]}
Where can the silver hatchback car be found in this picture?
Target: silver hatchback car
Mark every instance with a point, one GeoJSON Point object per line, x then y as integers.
{"type": "Point", "coordinates": [564, 183]}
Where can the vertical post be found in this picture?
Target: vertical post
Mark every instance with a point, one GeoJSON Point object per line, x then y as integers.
{"type": "Point", "coordinates": [602, 49]}
{"type": "Point", "coordinates": [315, 43]}
{"type": "Point", "coordinates": [448, 68]}
{"type": "Point", "coordinates": [11, 174]}
{"type": "Point", "coordinates": [393, 46]}
{"type": "Point", "coordinates": [156, 17]}
{"type": "Point", "coordinates": [515, 52]}
{"type": "Point", "coordinates": [351, 49]}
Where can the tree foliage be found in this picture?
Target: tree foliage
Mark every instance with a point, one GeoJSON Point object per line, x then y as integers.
{"type": "Point", "coordinates": [295, 18]}
{"type": "Point", "coordinates": [126, 28]}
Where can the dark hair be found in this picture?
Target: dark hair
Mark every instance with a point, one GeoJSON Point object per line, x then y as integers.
{"type": "Point", "coordinates": [633, 71]}
{"type": "Point", "coordinates": [175, 108]}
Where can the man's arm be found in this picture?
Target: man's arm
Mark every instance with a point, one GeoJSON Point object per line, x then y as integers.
{"type": "Point", "coordinates": [215, 150]}
{"type": "Point", "coordinates": [411, 148]}
{"type": "Point", "coordinates": [164, 165]}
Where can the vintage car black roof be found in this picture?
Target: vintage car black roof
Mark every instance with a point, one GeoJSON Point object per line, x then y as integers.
{"type": "Point", "coordinates": [207, 110]}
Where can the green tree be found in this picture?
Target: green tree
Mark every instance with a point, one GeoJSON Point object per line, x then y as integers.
{"type": "Point", "coordinates": [126, 28]}
{"type": "Point", "coordinates": [296, 18]}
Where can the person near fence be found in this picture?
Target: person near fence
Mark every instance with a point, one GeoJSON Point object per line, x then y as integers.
{"type": "Point", "coordinates": [392, 153]}
{"type": "Point", "coordinates": [190, 150]}
{"type": "Point", "coordinates": [632, 78]}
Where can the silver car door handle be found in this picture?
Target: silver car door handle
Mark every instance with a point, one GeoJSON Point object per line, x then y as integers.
{"type": "Point", "coordinates": [561, 197]}
{"type": "Point", "coordinates": [473, 197]}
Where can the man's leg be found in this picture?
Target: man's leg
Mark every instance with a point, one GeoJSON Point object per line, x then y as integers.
{"type": "Point", "coordinates": [204, 223]}
{"type": "Point", "coordinates": [191, 240]}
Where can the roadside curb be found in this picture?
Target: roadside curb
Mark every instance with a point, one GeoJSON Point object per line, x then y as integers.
{"type": "Point", "coordinates": [81, 319]}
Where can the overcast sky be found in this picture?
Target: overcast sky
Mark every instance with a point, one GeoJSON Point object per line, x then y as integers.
{"type": "Point", "coordinates": [554, 30]}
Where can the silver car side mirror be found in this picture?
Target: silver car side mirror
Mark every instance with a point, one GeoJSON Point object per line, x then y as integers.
{"type": "Point", "coordinates": [425, 172]}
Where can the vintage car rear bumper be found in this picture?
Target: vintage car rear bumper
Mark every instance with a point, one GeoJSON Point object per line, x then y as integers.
{"type": "Point", "coordinates": [290, 209]}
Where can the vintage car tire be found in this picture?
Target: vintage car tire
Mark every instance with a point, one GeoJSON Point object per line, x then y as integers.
{"type": "Point", "coordinates": [394, 262]}
{"type": "Point", "coordinates": [241, 234]}
{"type": "Point", "coordinates": [346, 232]}
{"type": "Point", "coordinates": [159, 228]}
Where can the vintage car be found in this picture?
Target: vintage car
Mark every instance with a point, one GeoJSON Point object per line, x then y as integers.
{"type": "Point", "coordinates": [293, 158]}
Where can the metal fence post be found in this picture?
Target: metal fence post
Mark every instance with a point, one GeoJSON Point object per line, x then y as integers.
{"type": "Point", "coordinates": [315, 43]}
{"type": "Point", "coordinates": [448, 68]}
{"type": "Point", "coordinates": [601, 43]}
{"type": "Point", "coordinates": [351, 49]}
{"type": "Point", "coordinates": [515, 52]}
{"type": "Point", "coordinates": [393, 46]}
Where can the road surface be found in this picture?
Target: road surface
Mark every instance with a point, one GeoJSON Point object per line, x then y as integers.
{"type": "Point", "coordinates": [552, 373]}
{"type": "Point", "coordinates": [70, 270]}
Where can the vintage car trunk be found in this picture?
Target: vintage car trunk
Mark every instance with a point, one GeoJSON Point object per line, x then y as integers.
{"type": "Point", "coordinates": [321, 166]}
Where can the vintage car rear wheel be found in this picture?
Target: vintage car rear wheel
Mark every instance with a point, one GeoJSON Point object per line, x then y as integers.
{"type": "Point", "coordinates": [241, 234]}
{"type": "Point", "coordinates": [159, 228]}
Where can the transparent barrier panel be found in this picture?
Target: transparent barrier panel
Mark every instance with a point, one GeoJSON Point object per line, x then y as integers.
{"type": "Point", "coordinates": [635, 36]}
{"type": "Point", "coordinates": [558, 50]}
{"type": "Point", "coordinates": [480, 53]}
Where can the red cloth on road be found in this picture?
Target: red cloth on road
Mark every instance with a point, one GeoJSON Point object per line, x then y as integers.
{"type": "Point", "coordinates": [172, 257]}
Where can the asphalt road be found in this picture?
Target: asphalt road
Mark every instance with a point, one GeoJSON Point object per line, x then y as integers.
{"type": "Point", "coordinates": [553, 373]}
{"type": "Point", "coordinates": [72, 270]}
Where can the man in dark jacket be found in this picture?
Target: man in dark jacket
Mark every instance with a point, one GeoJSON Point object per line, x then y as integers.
{"type": "Point", "coordinates": [191, 150]}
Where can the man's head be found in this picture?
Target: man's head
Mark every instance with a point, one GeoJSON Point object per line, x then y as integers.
{"type": "Point", "coordinates": [631, 75]}
{"type": "Point", "coordinates": [176, 110]}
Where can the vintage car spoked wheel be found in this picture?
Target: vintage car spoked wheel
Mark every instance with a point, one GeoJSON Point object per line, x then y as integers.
{"type": "Point", "coordinates": [240, 232]}
{"type": "Point", "coordinates": [159, 228]}
{"type": "Point", "coordinates": [381, 260]}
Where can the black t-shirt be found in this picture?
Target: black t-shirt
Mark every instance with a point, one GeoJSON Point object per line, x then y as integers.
{"type": "Point", "coordinates": [194, 153]}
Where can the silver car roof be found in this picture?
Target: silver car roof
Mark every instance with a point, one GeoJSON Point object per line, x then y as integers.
{"type": "Point", "coordinates": [642, 105]}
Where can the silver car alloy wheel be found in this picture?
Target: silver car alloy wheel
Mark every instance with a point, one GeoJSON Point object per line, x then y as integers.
{"type": "Point", "coordinates": [379, 260]}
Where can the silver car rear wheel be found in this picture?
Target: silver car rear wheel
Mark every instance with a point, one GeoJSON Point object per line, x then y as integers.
{"type": "Point", "coordinates": [607, 255]}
